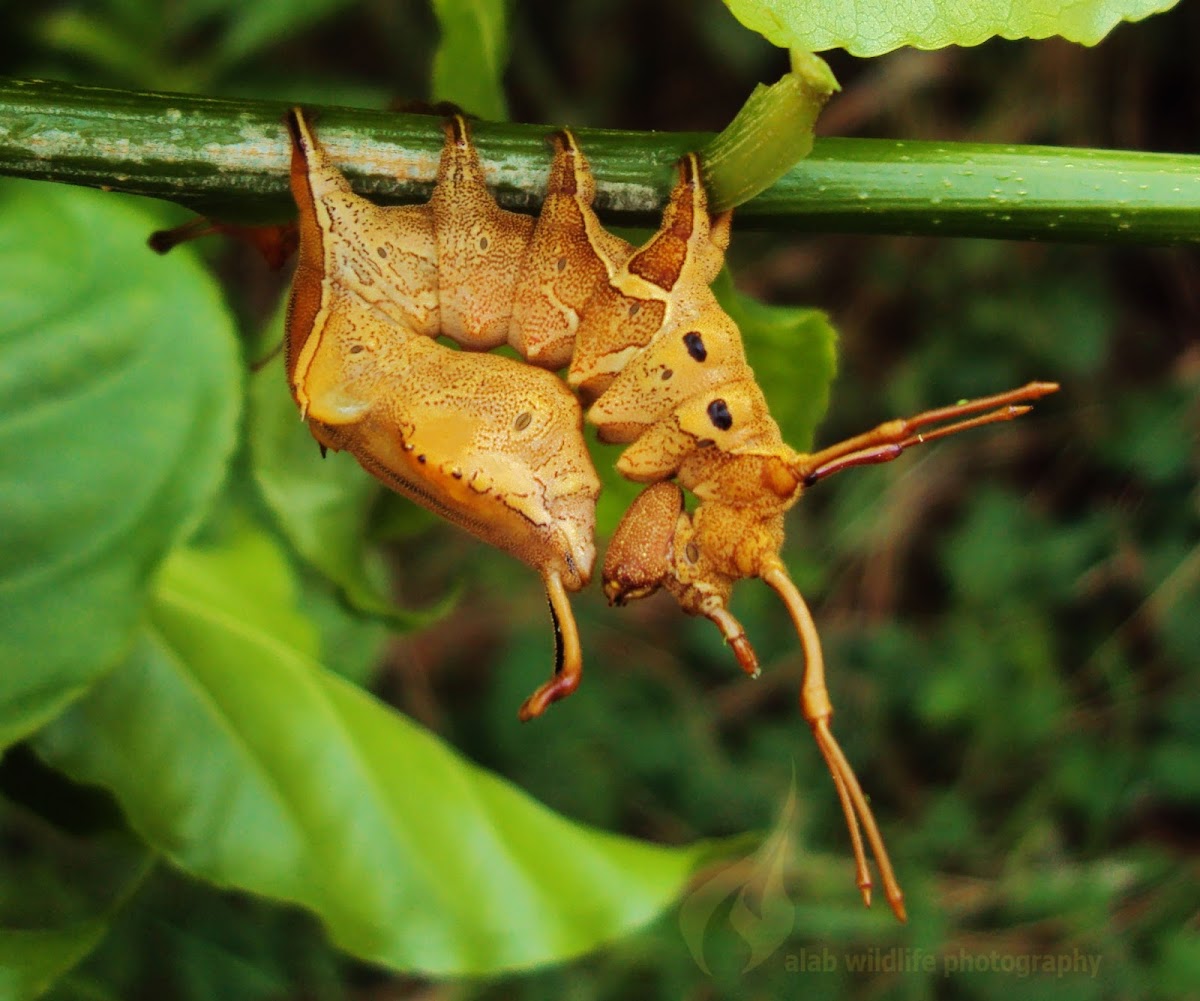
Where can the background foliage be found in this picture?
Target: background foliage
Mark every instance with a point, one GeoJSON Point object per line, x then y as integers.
{"type": "Point", "coordinates": [1008, 618]}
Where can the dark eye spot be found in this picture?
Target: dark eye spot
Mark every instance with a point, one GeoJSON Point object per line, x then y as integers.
{"type": "Point", "coordinates": [382, 252]}
{"type": "Point", "coordinates": [457, 474]}
{"type": "Point", "coordinates": [356, 348]}
{"type": "Point", "coordinates": [633, 310]}
{"type": "Point", "coordinates": [692, 552]}
{"type": "Point", "coordinates": [483, 243]}
{"type": "Point", "coordinates": [522, 421]}
{"type": "Point", "coordinates": [421, 459]}
{"type": "Point", "coordinates": [561, 264]}
{"type": "Point", "coordinates": [666, 374]}
{"type": "Point", "coordinates": [695, 346]}
{"type": "Point", "coordinates": [718, 413]}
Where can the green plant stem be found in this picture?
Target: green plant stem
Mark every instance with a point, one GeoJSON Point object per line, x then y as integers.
{"type": "Point", "coordinates": [229, 159]}
{"type": "Point", "coordinates": [771, 133]}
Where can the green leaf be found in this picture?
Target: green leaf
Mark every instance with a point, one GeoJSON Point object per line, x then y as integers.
{"type": "Point", "coordinates": [794, 354]}
{"type": "Point", "coordinates": [31, 960]}
{"type": "Point", "coordinates": [98, 43]}
{"type": "Point", "coordinates": [1178, 968]}
{"type": "Point", "coordinates": [468, 67]}
{"type": "Point", "coordinates": [58, 895]}
{"type": "Point", "coordinates": [322, 505]}
{"type": "Point", "coordinates": [213, 946]}
{"type": "Point", "coordinates": [253, 27]}
{"type": "Point", "coordinates": [1006, 552]}
{"type": "Point", "coordinates": [252, 766]}
{"type": "Point", "coordinates": [118, 401]}
{"type": "Point", "coordinates": [869, 28]}
{"type": "Point", "coordinates": [244, 576]}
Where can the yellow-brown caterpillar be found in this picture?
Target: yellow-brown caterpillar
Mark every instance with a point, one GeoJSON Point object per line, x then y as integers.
{"type": "Point", "coordinates": [497, 446]}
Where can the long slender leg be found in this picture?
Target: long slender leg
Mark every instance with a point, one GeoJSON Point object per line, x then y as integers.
{"type": "Point", "coordinates": [889, 440]}
{"type": "Point", "coordinates": [818, 710]}
{"type": "Point", "coordinates": [568, 657]}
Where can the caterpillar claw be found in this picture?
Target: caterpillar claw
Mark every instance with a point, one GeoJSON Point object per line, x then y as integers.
{"type": "Point", "coordinates": [568, 656]}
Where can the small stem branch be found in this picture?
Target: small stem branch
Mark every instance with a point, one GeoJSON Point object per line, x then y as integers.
{"type": "Point", "coordinates": [229, 159]}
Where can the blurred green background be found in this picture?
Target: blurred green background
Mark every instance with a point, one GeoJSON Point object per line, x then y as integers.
{"type": "Point", "coordinates": [1009, 618]}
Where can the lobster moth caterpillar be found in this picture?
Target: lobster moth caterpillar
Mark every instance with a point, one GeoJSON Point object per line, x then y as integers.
{"type": "Point", "coordinates": [496, 445]}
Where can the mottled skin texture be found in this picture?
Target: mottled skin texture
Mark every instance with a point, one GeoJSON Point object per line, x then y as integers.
{"type": "Point", "coordinates": [496, 446]}
{"type": "Point", "coordinates": [489, 443]}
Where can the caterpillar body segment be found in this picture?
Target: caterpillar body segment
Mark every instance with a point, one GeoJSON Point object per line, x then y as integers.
{"type": "Point", "coordinates": [569, 258]}
{"type": "Point", "coordinates": [491, 444]}
{"type": "Point", "coordinates": [496, 445]}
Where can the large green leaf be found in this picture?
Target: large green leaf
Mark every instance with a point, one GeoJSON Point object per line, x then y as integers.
{"type": "Point", "coordinates": [118, 401]}
{"type": "Point", "coordinates": [252, 766]}
{"type": "Point", "coordinates": [253, 27]}
{"type": "Point", "coordinates": [870, 28]}
{"type": "Point", "coordinates": [468, 66]}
